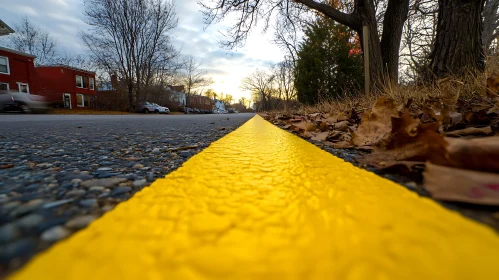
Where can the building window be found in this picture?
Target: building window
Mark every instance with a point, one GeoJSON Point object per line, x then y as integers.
{"type": "Point", "coordinates": [4, 65]}
{"type": "Point", "coordinates": [92, 83]}
{"type": "Point", "coordinates": [23, 87]}
{"type": "Point", "coordinates": [79, 81]}
{"type": "Point", "coordinates": [80, 100]}
{"type": "Point", "coordinates": [4, 86]}
{"type": "Point", "coordinates": [86, 100]}
{"type": "Point", "coordinates": [85, 82]}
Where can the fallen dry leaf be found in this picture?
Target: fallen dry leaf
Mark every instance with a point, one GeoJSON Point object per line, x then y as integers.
{"type": "Point", "coordinates": [6, 166]}
{"type": "Point", "coordinates": [321, 136]}
{"type": "Point", "coordinates": [375, 125]}
{"type": "Point", "coordinates": [477, 154]}
{"type": "Point", "coordinates": [410, 141]}
{"type": "Point", "coordinates": [447, 183]}
{"type": "Point", "coordinates": [341, 126]}
{"type": "Point", "coordinates": [340, 145]}
{"type": "Point", "coordinates": [477, 131]}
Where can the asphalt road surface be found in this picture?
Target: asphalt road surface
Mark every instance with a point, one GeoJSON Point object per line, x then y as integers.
{"type": "Point", "coordinates": [60, 172]}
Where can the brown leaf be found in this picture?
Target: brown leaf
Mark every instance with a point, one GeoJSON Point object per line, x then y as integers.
{"type": "Point", "coordinates": [429, 114]}
{"type": "Point", "coordinates": [340, 145]}
{"type": "Point", "coordinates": [477, 154]}
{"type": "Point", "coordinates": [494, 110]}
{"type": "Point", "coordinates": [411, 141]}
{"type": "Point", "coordinates": [338, 117]}
{"type": "Point", "coordinates": [478, 131]}
{"type": "Point", "coordinates": [375, 125]}
{"type": "Point", "coordinates": [454, 184]}
{"type": "Point", "coordinates": [335, 136]}
{"type": "Point", "coordinates": [321, 136]}
{"type": "Point", "coordinates": [409, 165]}
{"type": "Point", "coordinates": [323, 126]}
{"type": "Point", "coordinates": [341, 126]}
{"type": "Point", "coordinates": [6, 166]}
{"type": "Point", "coordinates": [306, 126]}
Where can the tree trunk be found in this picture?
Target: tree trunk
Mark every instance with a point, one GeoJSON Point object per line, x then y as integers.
{"type": "Point", "coordinates": [366, 15]}
{"type": "Point", "coordinates": [393, 25]}
{"type": "Point", "coordinates": [131, 101]}
{"type": "Point", "coordinates": [458, 45]}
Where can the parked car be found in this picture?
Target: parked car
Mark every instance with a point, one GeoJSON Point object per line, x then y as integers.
{"type": "Point", "coordinates": [188, 110]}
{"type": "Point", "coordinates": [145, 108]}
{"type": "Point", "coordinates": [196, 111]}
{"type": "Point", "coordinates": [149, 107]}
{"type": "Point", "coordinates": [12, 101]}
{"type": "Point", "coordinates": [160, 109]}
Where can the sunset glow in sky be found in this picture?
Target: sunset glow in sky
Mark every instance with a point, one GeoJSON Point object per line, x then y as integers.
{"type": "Point", "coordinates": [63, 19]}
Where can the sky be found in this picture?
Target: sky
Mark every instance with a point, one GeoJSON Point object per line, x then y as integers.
{"type": "Point", "coordinates": [63, 19]}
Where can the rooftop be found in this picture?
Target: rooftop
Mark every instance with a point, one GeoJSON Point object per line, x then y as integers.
{"type": "Point", "coordinates": [16, 52]}
{"type": "Point", "coordinates": [5, 29]}
{"type": "Point", "coordinates": [66, 67]}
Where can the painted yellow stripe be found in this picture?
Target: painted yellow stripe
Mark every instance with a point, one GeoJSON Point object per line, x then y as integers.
{"type": "Point", "coordinates": [262, 203]}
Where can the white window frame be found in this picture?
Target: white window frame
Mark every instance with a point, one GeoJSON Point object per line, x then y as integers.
{"type": "Point", "coordinates": [8, 86]}
{"type": "Point", "coordinates": [76, 81]}
{"type": "Point", "coordinates": [82, 100]}
{"type": "Point", "coordinates": [19, 84]}
{"type": "Point", "coordinates": [70, 104]}
{"type": "Point", "coordinates": [91, 83]}
{"type": "Point", "coordinates": [8, 66]}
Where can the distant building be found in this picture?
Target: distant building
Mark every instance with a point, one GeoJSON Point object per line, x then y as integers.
{"type": "Point", "coordinates": [177, 94]}
{"type": "Point", "coordinates": [219, 105]}
{"type": "Point", "coordinates": [17, 71]}
{"type": "Point", "coordinates": [5, 29]}
{"type": "Point", "coordinates": [199, 102]}
{"type": "Point", "coordinates": [66, 86]}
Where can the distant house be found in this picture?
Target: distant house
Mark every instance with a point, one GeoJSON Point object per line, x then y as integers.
{"type": "Point", "coordinates": [177, 95]}
{"type": "Point", "coordinates": [219, 105]}
{"type": "Point", "coordinates": [66, 86]}
{"type": "Point", "coordinates": [5, 29]}
{"type": "Point", "coordinates": [199, 102]}
{"type": "Point", "coordinates": [17, 71]}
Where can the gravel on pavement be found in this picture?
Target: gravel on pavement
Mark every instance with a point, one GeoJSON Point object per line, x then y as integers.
{"type": "Point", "coordinates": [59, 173]}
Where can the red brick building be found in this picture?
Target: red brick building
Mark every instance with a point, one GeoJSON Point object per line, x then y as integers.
{"type": "Point", "coordinates": [199, 102]}
{"type": "Point", "coordinates": [17, 71]}
{"type": "Point", "coordinates": [66, 86]}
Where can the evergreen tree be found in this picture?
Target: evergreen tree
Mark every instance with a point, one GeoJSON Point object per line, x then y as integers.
{"type": "Point", "coordinates": [329, 63]}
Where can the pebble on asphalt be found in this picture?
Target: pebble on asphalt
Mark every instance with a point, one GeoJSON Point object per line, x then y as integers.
{"type": "Point", "coordinates": [80, 222]}
{"type": "Point", "coordinates": [54, 234]}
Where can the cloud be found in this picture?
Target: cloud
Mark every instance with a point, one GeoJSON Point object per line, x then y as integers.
{"type": "Point", "coordinates": [63, 19]}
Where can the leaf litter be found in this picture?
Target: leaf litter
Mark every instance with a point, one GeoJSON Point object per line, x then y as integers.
{"type": "Point", "coordinates": [448, 140]}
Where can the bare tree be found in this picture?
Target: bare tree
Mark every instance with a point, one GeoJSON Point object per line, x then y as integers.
{"type": "Point", "coordinates": [195, 78]}
{"type": "Point", "coordinates": [384, 50]}
{"type": "Point", "coordinates": [284, 81]}
{"type": "Point", "coordinates": [259, 83]}
{"type": "Point", "coordinates": [490, 23]}
{"type": "Point", "coordinates": [130, 36]}
{"type": "Point", "coordinates": [418, 39]}
{"type": "Point", "coordinates": [30, 39]}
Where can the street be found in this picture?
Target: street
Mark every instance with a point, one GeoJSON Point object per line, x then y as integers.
{"type": "Point", "coordinates": [60, 172]}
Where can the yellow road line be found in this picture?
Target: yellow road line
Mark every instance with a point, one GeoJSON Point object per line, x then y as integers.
{"type": "Point", "coordinates": [262, 203]}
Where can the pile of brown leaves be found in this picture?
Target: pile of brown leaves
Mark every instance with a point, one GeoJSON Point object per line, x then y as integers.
{"type": "Point", "coordinates": [453, 139]}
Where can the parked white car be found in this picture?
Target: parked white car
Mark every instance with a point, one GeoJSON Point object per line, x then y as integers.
{"type": "Point", "coordinates": [148, 107]}
{"type": "Point", "coordinates": [161, 109]}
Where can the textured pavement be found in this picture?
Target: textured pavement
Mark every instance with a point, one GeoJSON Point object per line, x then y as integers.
{"type": "Point", "coordinates": [262, 203]}
{"type": "Point", "coordinates": [58, 173]}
